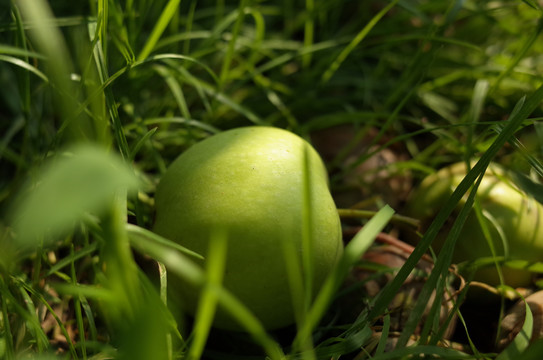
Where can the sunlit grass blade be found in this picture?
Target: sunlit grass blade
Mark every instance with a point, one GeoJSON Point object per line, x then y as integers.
{"type": "Point", "coordinates": [295, 278]}
{"type": "Point", "coordinates": [521, 342]}
{"type": "Point", "coordinates": [225, 68]}
{"type": "Point", "coordinates": [384, 336]}
{"type": "Point", "coordinates": [303, 295]}
{"type": "Point", "coordinates": [160, 26]}
{"type": "Point", "coordinates": [536, 164]}
{"type": "Point", "coordinates": [111, 79]}
{"type": "Point", "coordinates": [239, 108]}
{"type": "Point", "coordinates": [307, 226]}
{"type": "Point", "coordinates": [16, 51]}
{"type": "Point", "coordinates": [184, 38]}
{"type": "Point", "coordinates": [100, 60]}
{"type": "Point", "coordinates": [356, 247]}
{"type": "Point", "coordinates": [352, 342]}
{"type": "Point", "coordinates": [440, 269]}
{"type": "Point", "coordinates": [477, 102]}
{"type": "Point", "coordinates": [140, 234]}
{"type": "Point", "coordinates": [188, 26]}
{"type": "Point", "coordinates": [176, 88]}
{"type": "Point", "coordinates": [136, 316]}
{"type": "Point", "coordinates": [525, 108]}
{"type": "Point", "coordinates": [141, 142]}
{"type": "Point", "coordinates": [185, 268]}
{"type": "Point", "coordinates": [179, 120]}
{"type": "Point", "coordinates": [216, 260]}
{"type": "Point", "coordinates": [260, 33]}
{"type": "Point", "coordinates": [24, 65]}
{"type": "Point", "coordinates": [521, 54]}
{"type": "Point", "coordinates": [367, 214]}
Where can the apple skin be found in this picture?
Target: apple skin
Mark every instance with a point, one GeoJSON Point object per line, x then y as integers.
{"type": "Point", "coordinates": [519, 216]}
{"type": "Point", "coordinates": [249, 182]}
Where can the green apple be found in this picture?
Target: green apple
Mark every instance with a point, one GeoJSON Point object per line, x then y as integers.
{"type": "Point", "coordinates": [249, 182]}
{"type": "Point", "coordinates": [514, 220]}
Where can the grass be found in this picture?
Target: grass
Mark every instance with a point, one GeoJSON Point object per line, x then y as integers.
{"type": "Point", "coordinates": [98, 98]}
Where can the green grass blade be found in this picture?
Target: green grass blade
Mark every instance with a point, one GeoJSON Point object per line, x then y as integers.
{"type": "Point", "coordinates": [111, 105]}
{"type": "Point", "coordinates": [41, 299]}
{"type": "Point", "coordinates": [225, 68]}
{"type": "Point", "coordinates": [522, 340]}
{"type": "Point", "coordinates": [521, 54]}
{"type": "Point", "coordinates": [15, 51]}
{"type": "Point", "coordinates": [351, 343]}
{"type": "Point", "coordinates": [309, 31]}
{"type": "Point", "coordinates": [49, 41]}
{"type": "Point", "coordinates": [354, 43]}
{"type": "Point", "coordinates": [8, 346]}
{"type": "Point", "coordinates": [176, 89]}
{"type": "Point", "coordinates": [185, 268]}
{"type": "Point", "coordinates": [167, 14]}
{"type": "Point", "coordinates": [215, 264]}
{"type": "Point", "coordinates": [138, 234]}
{"type": "Point", "coordinates": [188, 26]}
{"type": "Point", "coordinates": [24, 65]}
{"type": "Point", "coordinates": [524, 110]}
{"type": "Point", "coordinates": [440, 268]}
{"type": "Point", "coordinates": [89, 249]}
{"type": "Point", "coordinates": [78, 311]}
{"type": "Point", "coordinates": [356, 247]}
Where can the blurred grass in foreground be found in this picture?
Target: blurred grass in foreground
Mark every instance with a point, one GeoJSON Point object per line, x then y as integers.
{"type": "Point", "coordinates": [98, 97]}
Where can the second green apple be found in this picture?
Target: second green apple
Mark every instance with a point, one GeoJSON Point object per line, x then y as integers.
{"type": "Point", "coordinates": [514, 221]}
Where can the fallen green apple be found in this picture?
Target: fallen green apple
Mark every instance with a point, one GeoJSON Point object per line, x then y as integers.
{"type": "Point", "coordinates": [249, 182]}
{"type": "Point", "coordinates": [514, 220]}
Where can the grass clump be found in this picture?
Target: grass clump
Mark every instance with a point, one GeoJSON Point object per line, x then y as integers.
{"type": "Point", "coordinates": [99, 97]}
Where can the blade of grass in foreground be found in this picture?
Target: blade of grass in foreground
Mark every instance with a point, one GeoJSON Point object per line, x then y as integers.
{"type": "Point", "coordinates": [208, 303]}
{"type": "Point", "coordinates": [439, 273]}
{"type": "Point", "coordinates": [49, 41]}
{"type": "Point", "coordinates": [522, 340]}
{"type": "Point", "coordinates": [180, 265]}
{"type": "Point", "coordinates": [358, 245]}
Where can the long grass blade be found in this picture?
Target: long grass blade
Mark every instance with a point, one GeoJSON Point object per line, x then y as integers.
{"type": "Point", "coordinates": [358, 245]}
{"type": "Point", "coordinates": [160, 26]}
{"type": "Point", "coordinates": [185, 268]}
{"type": "Point", "coordinates": [208, 300]}
{"type": "Point", "coordinates": [524, 110]}
{"type": "Point", "coordinates": [354, 43]}
{"type": "Point", "coordinates": [521, 342]}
